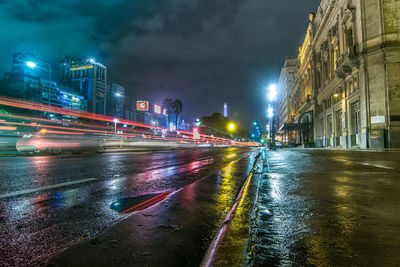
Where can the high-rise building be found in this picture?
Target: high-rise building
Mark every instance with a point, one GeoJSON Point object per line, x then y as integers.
{"type": "Point", "coordinates": [115, 100]}
{"type": "Point", "coordinates": [225, 110]}
{"type": "Point", "coordinates": [89, 78]}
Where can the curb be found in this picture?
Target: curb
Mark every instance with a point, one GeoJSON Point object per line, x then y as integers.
{"type": "Point", "coordinates": [211, 253]}
{"type": "Point", "coordinates": [255, 212]}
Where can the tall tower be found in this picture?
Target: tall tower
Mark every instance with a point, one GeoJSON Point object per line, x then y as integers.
{"type": "Point", "coordinates": [115, 100]}
{"type": "Point", "coordinates": [89, 78]}
{"type": "Point", "coordinates": [225, 110]}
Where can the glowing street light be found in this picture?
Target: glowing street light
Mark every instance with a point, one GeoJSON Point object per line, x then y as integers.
{"type": "Point", "coordinates": [91, 60]}
{"type": "Point", "coordinates": [272, 92]}
{"type": "Point", "coordinates": [115, 125]}
{"type": "Point", "coordinates": [231, 127]}
{"type": "Point", "coordinates": [31, 64]}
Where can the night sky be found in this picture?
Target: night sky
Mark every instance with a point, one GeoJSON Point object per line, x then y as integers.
{"type": "Point", "coordinates": [205, 52]}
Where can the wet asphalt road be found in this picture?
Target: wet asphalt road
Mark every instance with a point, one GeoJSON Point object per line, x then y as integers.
{"type": "Point", "coordinates": [329, 208]}
{"type": "Point", "coordinates": [37, 225]}
{"type": "Point", "coordinates": [316, 208]}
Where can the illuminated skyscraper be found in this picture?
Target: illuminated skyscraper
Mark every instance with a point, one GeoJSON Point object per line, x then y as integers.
{"type": "Point", "coordinates": [115, 100]}
{"type": "Point", "coordinates": [89, 78]}
{"type": "Point", "coordinates": [225, 110]}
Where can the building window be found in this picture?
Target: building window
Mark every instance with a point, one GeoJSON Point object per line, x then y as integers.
{"type": "Point", "coordinates": [355, 83]}
{"type": "Point", "coordinates": [335, 57]}
{"type": "Point", "coordinates": [325, 71]}
{"type": "Point", "coordinates": [350, 83]}
{"type": "Point", "coordinates": [339, 123]}
{"type": "Point", "coordinates": [330, 126]}
{"type": "Point", "coordinates": [322, 128]}
{"type": "Point", "coordinates": [349, 37]}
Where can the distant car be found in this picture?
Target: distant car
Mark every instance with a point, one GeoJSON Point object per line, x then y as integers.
{"type": "Point", "coordinates": [56, 144]}
{"type": "Point", "coordinates": [278, 144]}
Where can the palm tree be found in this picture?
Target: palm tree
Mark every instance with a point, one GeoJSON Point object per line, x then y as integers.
{"type": "Point", "coordinates": [177, 107]}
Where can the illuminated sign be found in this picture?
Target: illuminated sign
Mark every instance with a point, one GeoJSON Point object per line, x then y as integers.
{"type": "Point", "coordinates": [142, 105]}
{"type": "Point", "coordinates": [81, 68]}
{"type": "Point", "coordinates": [164, 112]}
{"type": "Point", "coordinates": [157, 109]}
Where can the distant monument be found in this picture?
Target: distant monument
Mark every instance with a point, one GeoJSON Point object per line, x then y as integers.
{"type": "Point", "coordinates": [225, 110]}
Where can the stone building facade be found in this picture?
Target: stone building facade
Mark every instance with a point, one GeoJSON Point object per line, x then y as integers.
{"type": "Point", "coordinates": [348, 75]}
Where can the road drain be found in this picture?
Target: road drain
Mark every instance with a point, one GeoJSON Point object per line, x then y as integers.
{"type": "Point", "coordinates": [131, 204]}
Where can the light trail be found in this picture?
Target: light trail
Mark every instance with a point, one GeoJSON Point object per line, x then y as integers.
{"type": "Point", "coordinates": [178, 135]}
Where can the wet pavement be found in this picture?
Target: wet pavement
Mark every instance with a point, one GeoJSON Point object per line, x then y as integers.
{"type": "Point", "coordinates": [73, 196]}
{"type": "Point", "coordinates": [311, 207]}
{"type": "Point", "coordinates": [328, 208]}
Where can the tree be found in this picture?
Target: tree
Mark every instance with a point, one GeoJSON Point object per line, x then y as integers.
{"type": "Point", "coordinates": [177, 108]}
{"type": "Point", "coordinates": [217, 124]}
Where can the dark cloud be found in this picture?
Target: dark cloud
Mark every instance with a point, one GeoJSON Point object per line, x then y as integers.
{"type": "Point", "coordinates": [205, 52]}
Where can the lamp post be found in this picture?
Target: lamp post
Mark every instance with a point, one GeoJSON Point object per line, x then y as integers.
{"type": "Point", "coordinates": [231, 128]}
{"type": "Point", "coordinates": [115, 125]}
{"type": "Point", "coordinates": [271, 98]}
{"type": "Point", "coordinates": [33, 65]}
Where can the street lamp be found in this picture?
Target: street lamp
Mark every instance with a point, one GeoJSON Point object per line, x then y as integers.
{"type": "Point", "coordinates": [272, 92]}
{"type": "Point", "coordinates": [231, 127]}
{"type": "Point", "coordinates": [33, 65]}
{"type": "Point", "coordinates": [115, 125]}
{"type": "Point", "coordinates": [271, 97]}
{"type": "Point", "coordinates": [270, 112]}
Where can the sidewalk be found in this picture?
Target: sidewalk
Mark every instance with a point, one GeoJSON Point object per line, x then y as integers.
{"type": "Point", "coordinates": [346, 149]}
{"type": "Point", "coordinates": [313, 210]}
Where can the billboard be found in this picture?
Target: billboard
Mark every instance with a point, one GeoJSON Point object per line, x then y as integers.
{"type": "Point", "coordinates": [142, 105]}
{"type": "Point", "coordinates": [157, 109]}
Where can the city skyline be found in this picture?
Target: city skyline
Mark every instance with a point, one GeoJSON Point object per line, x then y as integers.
{"type": "Point", "coordinates": [206, 54]}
